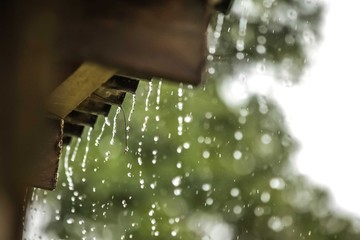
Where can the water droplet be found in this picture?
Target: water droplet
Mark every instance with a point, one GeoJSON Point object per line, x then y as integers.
{"type": "Point", "coordinates": [68, 170]}
{"type": "Point", "coordinates": [266, 139]}
{"type": "Point", "coordinates": [173, 233]}
{"type": "Point", "coordinates": [177, 192]}
{"type": "Point", "coordinates": [148, 97]}
{"type": "Point", "coordinates": [275, 224]}
{"type": "Point", "coordinates": [88, 138]}
{"type": "Point", "coordinates": [70, 221]}
{"type": "Point", "coordinates": [238, 135]}
{"type": "Point", "coordinates": [211, 70]}
{"type": "Point", "coordinates": [208, 115]}
{"type": "Point", "coordinates": [290, 39]}
{"type": "Point", "coordinates": [188, 118]}
{"type": "Point", "coordinates": [237, 155]}
{"type": "Point", "coordinates": [265, 197]}
{"type": "Point", "coordinates": [277, 183]}
{"type": "Point", "coordinates": [234, 192]}
{"type": "Point", "coordinates": [114, 125]}
{"type": "Point", "coordinates": [180, 126]}
{"type": "Point", "coordinates": [176, 181]}
{"type": "Point", "coordinates": [209, 201]}
{"type": "Point", "coordinates": [158, 96]}
{"type": "Point", "coordinates": [261, 49]}
{"type": "Point", "coordinates": [292, 14]}
{"type": "Point", "coordinates": [186, 145]}
{"type": "Point", "coordinates": [106, 123]}
{"type": "Point", "coordinates": [206, 154]}
{"type": "Point", "coordinates": [206, 187]}
{"type": "Point", "coordinates": [259, 211]}
{"type": "Point", "coordinates": [261, 40]}
{"type": "Point", "coordinates": [237, 209]}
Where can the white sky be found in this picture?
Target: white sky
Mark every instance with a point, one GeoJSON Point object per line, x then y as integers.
{"type": "Point", "coordinates": [323, 112]}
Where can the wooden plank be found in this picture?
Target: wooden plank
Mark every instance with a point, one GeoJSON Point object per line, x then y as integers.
{"type": "Point", "coordinates": [144, 39]}
{"type": "Point", "coordinates": [77, 87]}
{"type": "Point", "coordinates": [44, 173]}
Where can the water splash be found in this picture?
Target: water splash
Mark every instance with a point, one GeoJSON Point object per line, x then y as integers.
{"type": "Point", "coordinates": [88, 138]}
{"type": "Point", "coordinates": [106, 123]}
{"type": "Point", "coordinates": [68, 170]}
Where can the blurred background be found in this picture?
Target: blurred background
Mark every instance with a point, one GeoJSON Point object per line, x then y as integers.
{"type": "Point", "coordinates": [265, 149]}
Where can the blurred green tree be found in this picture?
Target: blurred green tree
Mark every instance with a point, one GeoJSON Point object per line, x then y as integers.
{"type": "Point", "coordinates": [197, 169]}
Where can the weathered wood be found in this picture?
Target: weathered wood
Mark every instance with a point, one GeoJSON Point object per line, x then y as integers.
{"type": "Point", "coordinates": [43, 42]}
{"type": "Point", "coordinates": [125, 84]}
{"type": "Point", "coordinates": [77, 87]}
{"type": "Point", "coordinates": [80, 118]}
{"type": "Point", "coordinates": [144, 39]}
{"type": "Point", "coordinates": [72, 130]}
{"type": "Point", "coordinates": [93, 107]}
{"type": "Point", "coordinates": [45, 171]}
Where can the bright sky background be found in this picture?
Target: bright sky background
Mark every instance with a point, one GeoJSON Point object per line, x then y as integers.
{"type": "Point", "coordinates": [323, 112]}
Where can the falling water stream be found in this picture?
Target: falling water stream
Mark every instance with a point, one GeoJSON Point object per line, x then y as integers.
{"type": "Point", "coordinates": [68, 170]}
{"type": "Point", "coordinates": [192, 165]}
{"type": "Point", "coordinates": [88, 138]}
{"type": "Point", "coordinates": [127, 130]}
{"type": "Point", "coordinates": [114, 129]}
{"type": "Point", "coordinates": [106, 123]}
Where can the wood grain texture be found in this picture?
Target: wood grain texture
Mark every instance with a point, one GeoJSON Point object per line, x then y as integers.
{"type": "Point", "coordinates": [143, 39]}
{"type": "Point", "coordinates": [45, 172]}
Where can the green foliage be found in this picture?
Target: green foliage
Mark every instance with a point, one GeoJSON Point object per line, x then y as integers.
{"type": "Point", "coordinates": [196, 169]}
{"type": "Point", "coordinates": [273, 33]}
{"type": "Point", "coordinates": [226, 176]}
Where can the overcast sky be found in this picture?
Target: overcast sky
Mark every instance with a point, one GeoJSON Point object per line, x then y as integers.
{"type": "Point", "coordinates": [323, 112]}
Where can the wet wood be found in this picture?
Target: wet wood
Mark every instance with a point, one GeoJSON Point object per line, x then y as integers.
{"type": "Point", "coordinates": [77, 87]}
{"type": "Point", "coordinates": [45, 171]}
{"type": "Point", "coordinates": [143, 39]}
{"type": "Point", "coordinates": [44, 42]}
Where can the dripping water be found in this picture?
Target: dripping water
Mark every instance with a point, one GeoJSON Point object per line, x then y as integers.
{"type": "Point", "coordinates": [106, 123]}
{"type": "Point", "coordinates": [118, 110]}
{"type": "Point", "coordinates": [240, 42]}
{"type": "Point", "coordinates": [143, 129]}
{"type": "Point", "coordinates": [158, 96]}
{"type": "Point", "coordinates": [76, 148]}
{"type": "Point", "coordinates": [148, 97]}
{"type": "Point", "coordinates": [144, 126]}
{"type": "Point", "coordinates": [132, 107]}
{"type": "Point", "coordinates": [114, 125]}
{"type": "Point", "coordinates": [127, 128]}
{"type": "Point", "coordinates": [88, 138]}
{"type": "Point", "coordinates": [217, 33]}
{"type": "Point", "coordinates": [180, 107]}
{"type": "Point", "coordinates": [68, 170]}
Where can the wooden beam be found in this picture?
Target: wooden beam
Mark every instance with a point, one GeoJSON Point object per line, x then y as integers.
{"type": "Point", "coordinates": [77, 87]}
{"type": "Point", "coordinates": [144, 39]}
